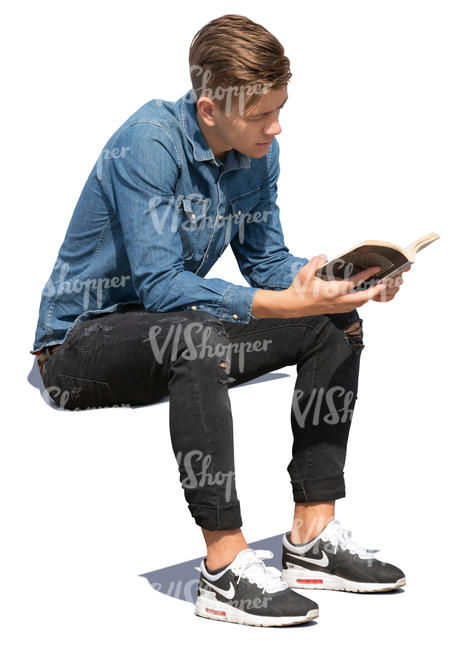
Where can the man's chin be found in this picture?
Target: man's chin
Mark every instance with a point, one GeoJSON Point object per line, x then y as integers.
{"type": "Point", "coordinates": [258, 154]}
{"type": "Point", "coordinates": [255, 151]}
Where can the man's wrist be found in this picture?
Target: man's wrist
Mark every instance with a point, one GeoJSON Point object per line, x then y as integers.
{"type": "Point", "coordinates": [268, 303]}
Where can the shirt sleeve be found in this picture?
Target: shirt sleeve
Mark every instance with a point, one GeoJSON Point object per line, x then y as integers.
{"type": "Point", "coordinates": [142, 184]}
{"type": "Point", "coordinates": [263, 258]}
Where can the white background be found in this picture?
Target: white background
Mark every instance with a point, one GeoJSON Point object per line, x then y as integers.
{"type": "Point", "coordinates": [91, 500]}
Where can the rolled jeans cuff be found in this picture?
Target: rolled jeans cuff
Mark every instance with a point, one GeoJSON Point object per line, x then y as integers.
{"type": "Point", "coordinates": [215, 518]}
{"type": "Point", "coordinates": [319, 489]}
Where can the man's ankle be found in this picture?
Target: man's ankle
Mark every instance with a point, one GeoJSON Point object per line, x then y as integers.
{"type": "Point", "coordinates": [299, 536]}
{"type": "Point", "coordinates": [222, 547]}
{"type": "Point", "coordinates": [310, 519]}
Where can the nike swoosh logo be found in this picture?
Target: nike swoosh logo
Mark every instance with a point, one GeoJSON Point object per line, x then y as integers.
{"type": "Point", "coordinates": [227, 593]}
{"type": "Point", "coordinates": [324, 561]}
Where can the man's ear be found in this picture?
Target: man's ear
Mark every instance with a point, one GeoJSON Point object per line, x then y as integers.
{"type": "Point", "coordinates": [206, 109]}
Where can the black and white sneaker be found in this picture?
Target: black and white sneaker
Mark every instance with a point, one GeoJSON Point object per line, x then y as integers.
{"type": "Point", "coordinates": [332, 560]}
{"type": "Point", "coordinates": [249, 592]}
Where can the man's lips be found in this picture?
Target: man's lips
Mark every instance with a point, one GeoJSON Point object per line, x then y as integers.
{"type": "Point", "coordinates": [264, 143]}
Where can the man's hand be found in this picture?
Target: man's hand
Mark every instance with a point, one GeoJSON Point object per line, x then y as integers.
{"type": "Point", "coordinates": [308, 295]}
{"type": "Point", "coordinates": [391, 286]}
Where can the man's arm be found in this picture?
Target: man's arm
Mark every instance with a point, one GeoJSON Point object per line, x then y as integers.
{"type": "Point", "coordinates": [263, 258]}
{"type": "Point", "coordinates": [142, 183]}
{"type": "Point", "coordinates": [285, 288]}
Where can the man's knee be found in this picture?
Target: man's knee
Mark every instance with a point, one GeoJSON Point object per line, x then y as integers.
{"type": "Point", "coordinates": [341, 328]}
{"type": "Point", "coordinates": [204, 337]}
{"type": "Point", "coordinates": [353, 335]}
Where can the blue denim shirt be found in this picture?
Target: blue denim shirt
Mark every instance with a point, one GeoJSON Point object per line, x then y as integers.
{"type": "Point", "coordinates": [155, 214]}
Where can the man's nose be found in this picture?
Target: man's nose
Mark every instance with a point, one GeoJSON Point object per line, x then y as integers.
{"type": "Point", "coordinates": [274, 128]}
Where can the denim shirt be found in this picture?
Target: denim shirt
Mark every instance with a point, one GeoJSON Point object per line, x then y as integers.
{"type": "Point", "coordinates": [155, 214]}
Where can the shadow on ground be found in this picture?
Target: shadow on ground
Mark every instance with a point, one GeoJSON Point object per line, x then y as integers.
{"type": "Point", "coordinates": [181, 580]}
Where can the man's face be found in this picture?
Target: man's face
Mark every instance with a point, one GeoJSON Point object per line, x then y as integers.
{"type": "Point", "coordinates": [249, 132]}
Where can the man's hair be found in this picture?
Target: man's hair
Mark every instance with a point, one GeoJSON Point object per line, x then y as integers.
{"type": "Point", "coordinates": [234, 61]}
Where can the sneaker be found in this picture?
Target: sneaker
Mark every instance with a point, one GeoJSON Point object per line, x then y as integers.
{"type": "Point", "coordinates": [249, 592]}
{"type": "Point", "coordinates": [332, 560]}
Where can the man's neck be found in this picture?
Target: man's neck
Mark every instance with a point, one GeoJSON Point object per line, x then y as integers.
{"type": "Point", "coordinates": [218, 152]}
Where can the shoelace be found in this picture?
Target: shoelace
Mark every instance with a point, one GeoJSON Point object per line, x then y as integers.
{"type": "Point", "coordinates": [254, 569]}
{"type": "Point", "coordinates": [342, 537]}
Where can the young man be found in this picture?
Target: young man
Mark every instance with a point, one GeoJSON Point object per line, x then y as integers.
{"type": "Point", "coordinates": [128, 316]}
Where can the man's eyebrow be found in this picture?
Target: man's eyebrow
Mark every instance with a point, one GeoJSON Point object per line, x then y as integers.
{"type": "Point", "coordinates": [265, 112]}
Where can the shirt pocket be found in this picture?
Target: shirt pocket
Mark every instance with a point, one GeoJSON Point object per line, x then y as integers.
{"type": "Point", "coordinates": [241, 210]}
{"type": "Point", "coordinates": [193, 219]}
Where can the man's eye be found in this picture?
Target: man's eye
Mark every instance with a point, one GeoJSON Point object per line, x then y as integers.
{"type": "Point", "coordinates": [259, 117]}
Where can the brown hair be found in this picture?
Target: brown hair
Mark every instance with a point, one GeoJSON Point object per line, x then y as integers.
{"type": "Point", "coordinates": [233, 56]}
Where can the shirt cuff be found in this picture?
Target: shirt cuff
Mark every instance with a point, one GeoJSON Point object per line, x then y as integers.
{"type": "Point", "coordinates": [237, 304]}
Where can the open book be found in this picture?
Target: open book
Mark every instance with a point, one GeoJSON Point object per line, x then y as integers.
{"type": "Point", "coordinates": [391, 258]}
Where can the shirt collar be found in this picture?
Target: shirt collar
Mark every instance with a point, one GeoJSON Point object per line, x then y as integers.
{"type": "Point", "coordinates": [233, 159]}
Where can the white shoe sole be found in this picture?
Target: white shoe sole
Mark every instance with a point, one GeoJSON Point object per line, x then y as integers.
{"type": "Point", "coordinates": [307, 579]}
{"type": "Point", "coordinates": [218, 611]}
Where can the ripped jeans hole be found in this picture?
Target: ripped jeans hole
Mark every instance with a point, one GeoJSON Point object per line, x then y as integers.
{"type": "Point", "coordinates": [97, 327]}
{"type": "Point", "coordinates": [223, 373]}
{"type": "Point", "coordinates": [353, 335]}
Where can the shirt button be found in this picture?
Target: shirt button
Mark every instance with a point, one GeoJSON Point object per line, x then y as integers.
{"type": "Point", "coordinates": [193, 307]}
{"type": "Point", "coordinates": [234, 316]}
{"type": "Point", "coordinates": [220, 216]}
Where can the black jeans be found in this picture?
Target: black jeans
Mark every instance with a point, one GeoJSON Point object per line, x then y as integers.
{"type": "Point", "coordinates": [134, 357]}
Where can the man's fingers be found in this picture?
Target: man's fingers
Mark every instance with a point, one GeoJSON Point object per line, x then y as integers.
{"type": "Point", "coordinates": [337, 288]}
{"type": "Point", "coordinates": [372, 292]}
{"type": "Point", "coordinates": [310, 268]}
{"type": "Point", "coordinates": [359, 298]}
{"type": "Point", "coordinates": [357, 278]}
{"type": "Point", "coordinates": [393, 282]}
{"type": "Point", "coordinates": [387, 295]}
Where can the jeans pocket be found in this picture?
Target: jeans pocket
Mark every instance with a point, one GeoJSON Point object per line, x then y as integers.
{"type": "Point", "coordinates": [78, 393]}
